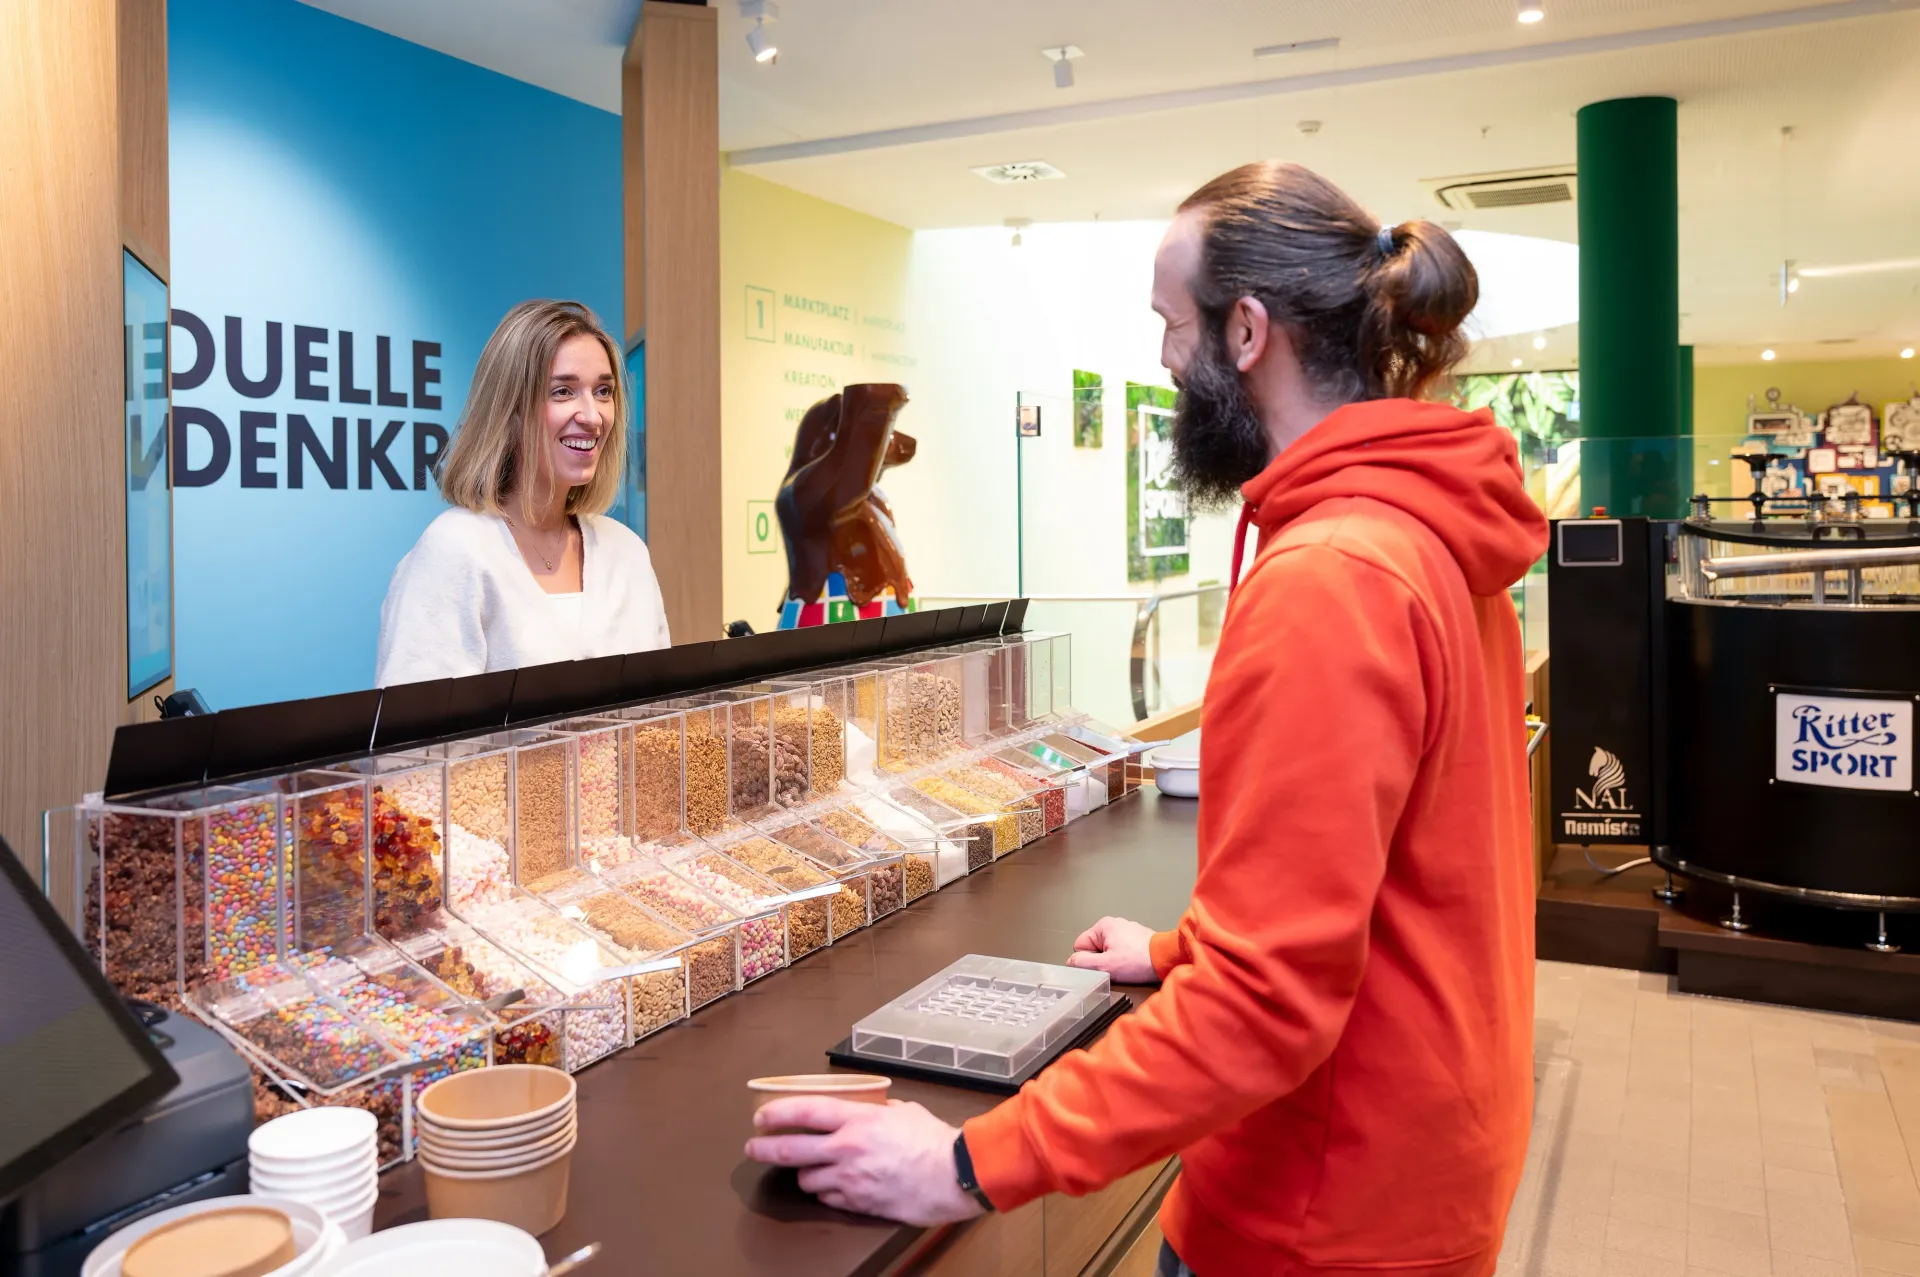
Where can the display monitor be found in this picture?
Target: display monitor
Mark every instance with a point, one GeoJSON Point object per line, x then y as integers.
{"type": "Point", "coordinates": [74, 1060]}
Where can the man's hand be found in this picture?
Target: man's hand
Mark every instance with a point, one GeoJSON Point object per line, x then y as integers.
{"type": "Point", "coordinates": [893, 1160]}
{"type": "Point", "coordinates": [1119, 948]}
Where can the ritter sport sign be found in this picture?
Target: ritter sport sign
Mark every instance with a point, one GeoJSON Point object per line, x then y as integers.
{"type": "Point", "coordinates": [1843, 742]}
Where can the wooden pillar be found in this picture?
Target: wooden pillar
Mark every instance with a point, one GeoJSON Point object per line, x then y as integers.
{"type": "Point", "coordinates": [670, 143]}
{"type": "Point", "coordinates": [84, 83]}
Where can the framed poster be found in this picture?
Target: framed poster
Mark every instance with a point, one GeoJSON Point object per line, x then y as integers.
{"type": "Point", "coordinates": [149, 479]}
{"type": "Point", "coordinates": [1089, 411]}
{"type": "Point", "coordinates": [1157, 513]}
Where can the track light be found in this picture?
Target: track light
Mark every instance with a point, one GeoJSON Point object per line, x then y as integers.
{"type": "Point", "coordinates": [765, 49]}
{"type": "Point", "coordinates": [1531, 12]}
{"type": "Point", "coordinates": [1062, 57]}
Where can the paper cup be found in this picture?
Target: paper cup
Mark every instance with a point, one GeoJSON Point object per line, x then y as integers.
{"type": "Point", "coordinates": [533, 1198]}
{"type": "Point", "coordinates": [495, 1137]}
{"type": "Point", "coordinates": [506, 1095]}
{"type": "Point", "coordinates": [313, 1134]}
{"type": "Point", "coordinates": [501, 1159]}
{"type": "Point", "coordinates": [296, 1184]}
{"type": "Point", "coordinates": [862, 1088]}
{"type": "Point", "coordinates": [470, 1247]}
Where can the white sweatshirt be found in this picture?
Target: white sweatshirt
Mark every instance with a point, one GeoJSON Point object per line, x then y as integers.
{"type": "Point", "coordinates": [463, 602]}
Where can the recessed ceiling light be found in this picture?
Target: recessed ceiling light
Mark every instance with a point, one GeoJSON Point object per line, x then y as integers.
{"type": "Point", "coordinates": [1530, 12]}
{"type": "Point", "coordinates": [1020, 171]}
{"type": "Point", "coordinates": [1907, 353]}
{"type": "Point", "coordinates": [1540, 342]}
{"type": "Point", "coordinates": [1296, 46]}
{"type": "Point", "coordinates": [1517, 362]}
{"type": "Point", "coordinates": [1767, 354]}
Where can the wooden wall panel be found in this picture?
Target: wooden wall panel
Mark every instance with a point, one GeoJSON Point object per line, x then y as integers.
{"type": "Point", "coordinates": [1078, 1228]}
{"type": "Point", "coordinates": [671, 96]}
{"type": "Point", "coordinates": [142, 64]}
{"type": "Point", "coordinates": [62, 456]}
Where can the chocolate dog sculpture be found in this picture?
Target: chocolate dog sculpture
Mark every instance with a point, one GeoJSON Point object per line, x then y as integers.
{"type": "Point", "coordinates": [831, 516]}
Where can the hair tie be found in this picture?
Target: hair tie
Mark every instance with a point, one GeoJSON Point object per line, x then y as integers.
{"type": "Point", "coordinates": [1385, 240]}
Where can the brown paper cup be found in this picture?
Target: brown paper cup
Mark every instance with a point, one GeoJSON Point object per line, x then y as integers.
{"type": "Point", "coordinates": [504, 1096]}
{"type": "Point", "coordinates": [862, 1088]}
{"type": "Point", "coordinates": [533, 1198]}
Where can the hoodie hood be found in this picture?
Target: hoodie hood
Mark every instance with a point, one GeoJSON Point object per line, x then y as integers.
{"type": "Point", "coordinates": [1457, 472]}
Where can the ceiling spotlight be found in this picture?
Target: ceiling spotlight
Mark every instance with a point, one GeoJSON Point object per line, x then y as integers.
{"type": "Point", "coordinates": [765, 50]}
{"type": "Point", "coordinates": [1530, 12]}
{"type": "Point", "coordinates": [1062, 56]}
{"type": "Point", "coordinates": [1793, 285]}
{"type": "Point", "coordinates": [1907, 353]}
{"type": "Point", "coordinates": [1517, 362]}
{"type": "Point", "coordinates": [1767, 354]}
{"type": "Point", "coordinates": [1540, 342]}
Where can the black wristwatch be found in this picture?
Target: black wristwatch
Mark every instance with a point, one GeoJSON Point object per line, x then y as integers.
{"type": "Point", "coordinates": [963, 1170]}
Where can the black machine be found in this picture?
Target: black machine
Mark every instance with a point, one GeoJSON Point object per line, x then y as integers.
{"type": "Point", "coordinates": [1740, 697]}
{"type": "Point", "coordinates": [105, 1117]}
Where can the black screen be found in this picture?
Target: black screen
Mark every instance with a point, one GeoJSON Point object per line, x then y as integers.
{"type": "Point", "coordinates": [73, 1059]}
{"type": "Point", "coordinates": [1594, 544]}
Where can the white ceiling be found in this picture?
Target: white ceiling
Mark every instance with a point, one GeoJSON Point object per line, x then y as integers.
{"type": "Point", "coordinates": [1845, 187]}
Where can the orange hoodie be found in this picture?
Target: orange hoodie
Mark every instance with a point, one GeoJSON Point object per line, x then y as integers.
{"type": "Point", "coordinates": [1341, 1048]}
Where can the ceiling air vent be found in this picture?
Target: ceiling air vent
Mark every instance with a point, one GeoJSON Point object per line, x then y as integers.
{"type": "Point", "coordinates": [1020, 171]}
{"type": "Point", "coordinates": [1516, 189]}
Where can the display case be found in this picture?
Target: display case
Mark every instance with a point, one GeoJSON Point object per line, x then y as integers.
{"type": "Point", "coordinates": [810, 890]}
{"type": "Point", "coordinates": [656, 801]}
{"type": "Point", "coordinates": [574, 961]}
{"type": "Point", "coordinates": [919, 865]}
{"type": "Point", "coordinates": [975, 835]}
{"type": "Point", "coordinates": [476, 869]}
{"type": "Point", "coordinates": [1049, 783]}
{"type": "Point", "coordinates": [983, 1015]}
{"type": "Point", "coordinates": [602, 757]}
{"type": "Point", "coordinates": [407, 824]}
{"type": "Point", "coordinates": [730, 941]}
{"type": "Point", "coordinates": [638, 935]}
{"type": "Point", "coordinates": [543, 814]}
{"type": "Point", "coordinates": [857, 873]}
{"type": "Point", "coordinates": [539, 1021]}
{"type": "Point", "coordinates": [1015, 792]}
{"type": "Point", "coordinates": [705, 783]}
{"type": "Point", "coordinates": [1002, 822]}
{"type": "Point", "coordinates": [132, 879]}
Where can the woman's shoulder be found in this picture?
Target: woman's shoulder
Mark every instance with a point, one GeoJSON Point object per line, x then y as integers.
{"type": "Point", "coordinates": [458, 529]}
{"type": "Point", "coordinates": [615, 537]}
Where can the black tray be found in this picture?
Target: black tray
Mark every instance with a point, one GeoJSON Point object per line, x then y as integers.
{"type": "Point", "coordinates": [1089, 1027]}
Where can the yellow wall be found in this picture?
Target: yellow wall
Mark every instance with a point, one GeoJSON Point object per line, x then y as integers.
{"type": "Point", "coordinates": [813, 297]}
{"type": "Point", "coordinates": [1720, 409]}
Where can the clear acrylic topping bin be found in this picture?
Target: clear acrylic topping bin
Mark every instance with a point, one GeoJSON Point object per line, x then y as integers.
{"type": "Point", "coordinates": [983, 1015]}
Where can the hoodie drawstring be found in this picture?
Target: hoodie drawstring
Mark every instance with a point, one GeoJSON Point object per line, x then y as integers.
{"type": "Point", "coordinates": [1239, 546]}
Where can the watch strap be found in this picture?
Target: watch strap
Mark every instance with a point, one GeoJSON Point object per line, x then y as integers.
{"type": "Point", "coordinates": [963, 1170]}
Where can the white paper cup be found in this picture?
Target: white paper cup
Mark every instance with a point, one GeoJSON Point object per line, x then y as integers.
{"type": "Point", "coordinates": [313, 1133]}
{"type": "Point", "coordinates": [351, 1159]}
{"type": "Point", "coordinates": [470, 1247]}
{"type": "Point", "coordinates": [296, 1185]}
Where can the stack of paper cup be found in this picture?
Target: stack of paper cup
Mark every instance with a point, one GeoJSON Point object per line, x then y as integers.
{"type": "Point", "coordinates": [497, 1144]}
{"type": "Point", "coordinates": [325, 1157]}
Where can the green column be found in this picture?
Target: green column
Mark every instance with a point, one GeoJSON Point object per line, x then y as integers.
{"type": "Point", "coordinates": [1630, 457]}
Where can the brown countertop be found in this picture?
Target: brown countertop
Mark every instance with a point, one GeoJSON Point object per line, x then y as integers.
{"type": "Point", "coordinates": [658, 1176]}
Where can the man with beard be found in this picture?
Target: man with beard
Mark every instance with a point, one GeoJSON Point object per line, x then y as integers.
{"type": "Point", "coordinates": [1341, 1047]}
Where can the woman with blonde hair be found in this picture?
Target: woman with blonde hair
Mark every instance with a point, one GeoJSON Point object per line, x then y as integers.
{"type": "Point", "coordinates": [526, 568]}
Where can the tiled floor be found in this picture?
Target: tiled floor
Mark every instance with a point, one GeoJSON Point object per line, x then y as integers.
{"type": "Point", "coordinates": [1695, 1137]}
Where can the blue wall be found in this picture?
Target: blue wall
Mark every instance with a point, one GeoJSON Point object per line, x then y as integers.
{"type": "Point", "coordinates": [328, 176]}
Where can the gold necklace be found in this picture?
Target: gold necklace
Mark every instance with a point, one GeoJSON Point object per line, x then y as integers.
{"type": "Point", "coordinates": [541, 554]}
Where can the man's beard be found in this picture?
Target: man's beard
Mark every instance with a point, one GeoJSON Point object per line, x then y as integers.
{"type": "Point", "coordinates": [1218, 441]}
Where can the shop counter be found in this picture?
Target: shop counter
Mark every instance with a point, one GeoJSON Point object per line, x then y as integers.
{"type": "Point", "coordinates": [659, 1178]}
